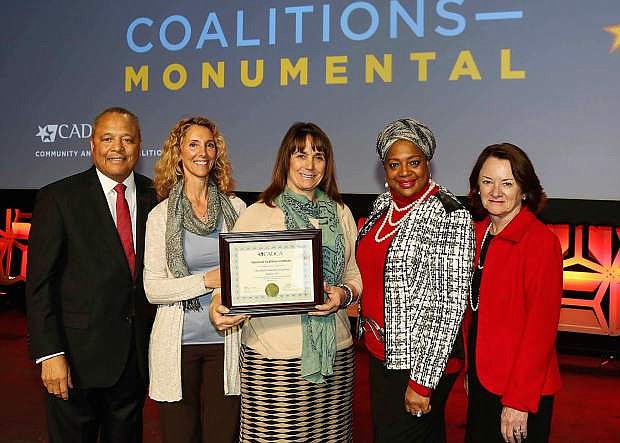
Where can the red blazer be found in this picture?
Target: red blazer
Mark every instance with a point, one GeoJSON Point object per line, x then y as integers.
{"type": "Point", "coordinates": [519, 311]}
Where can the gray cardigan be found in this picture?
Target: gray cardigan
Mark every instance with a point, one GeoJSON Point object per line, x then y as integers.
{"type": "Point", "coordinates": [168, 292]}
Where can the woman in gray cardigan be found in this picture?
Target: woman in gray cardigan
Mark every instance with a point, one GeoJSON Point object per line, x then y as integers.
{"type": "Point", "coordinates": [181, 269]}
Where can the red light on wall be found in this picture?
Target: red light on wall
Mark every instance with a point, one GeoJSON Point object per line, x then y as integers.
{"type": "Point", "coordinates": [21, 230]}
{"type": "Point", "coordinates": [12, 247]}
{"type": "Point", "coordinates": [591, 301]}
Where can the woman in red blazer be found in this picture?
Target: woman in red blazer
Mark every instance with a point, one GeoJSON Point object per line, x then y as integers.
{"type": "Point", "coordinates": [514, 308]}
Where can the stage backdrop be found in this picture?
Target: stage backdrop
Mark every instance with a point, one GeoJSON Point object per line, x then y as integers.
{"type": "Point", "coordinates": [542, 74]}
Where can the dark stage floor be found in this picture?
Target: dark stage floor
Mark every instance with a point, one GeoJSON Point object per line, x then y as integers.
{"type": "Point", "coordinates": [587, 409]}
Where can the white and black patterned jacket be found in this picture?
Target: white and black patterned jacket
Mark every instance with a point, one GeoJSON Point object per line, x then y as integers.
{"type": "Point", "coordinates": [427, 281]}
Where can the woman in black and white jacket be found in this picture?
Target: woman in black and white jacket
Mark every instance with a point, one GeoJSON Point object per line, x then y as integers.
{"type": "Point", "coordinates": [415, 254]}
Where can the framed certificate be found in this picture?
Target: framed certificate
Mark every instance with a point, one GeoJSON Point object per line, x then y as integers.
{"type": "Point", "coordinates": [271, 272]}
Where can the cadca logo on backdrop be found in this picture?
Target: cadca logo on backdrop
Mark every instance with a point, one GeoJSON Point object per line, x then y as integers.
{"type": "Point", "coordinates": [64, 133]}
{"type": "Point", "coordinates": [49, 133]}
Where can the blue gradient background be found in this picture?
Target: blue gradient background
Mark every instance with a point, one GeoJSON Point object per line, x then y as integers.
{"type": "Point", "coordinates": [63, 62]}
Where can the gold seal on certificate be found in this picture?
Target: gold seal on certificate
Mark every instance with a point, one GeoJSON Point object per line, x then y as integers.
{"type": "Point", "coordinates": [272, 289]}
{"type": "Point", "coordinates": [271, 273]}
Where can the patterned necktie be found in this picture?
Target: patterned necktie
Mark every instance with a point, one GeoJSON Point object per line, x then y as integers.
{"type": "Point", "coordinates": [123, 226]}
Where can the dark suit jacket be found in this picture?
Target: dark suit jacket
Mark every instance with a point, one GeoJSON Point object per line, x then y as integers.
{"type": "Point", "coordinates": [80, 295]}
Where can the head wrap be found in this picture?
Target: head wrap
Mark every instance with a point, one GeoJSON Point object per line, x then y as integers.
{"type": "Point", "coordinates": [406, 129]}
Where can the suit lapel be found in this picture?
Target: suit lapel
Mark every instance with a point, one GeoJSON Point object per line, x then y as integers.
{"type": "Point", "coordinates": [143, 205]}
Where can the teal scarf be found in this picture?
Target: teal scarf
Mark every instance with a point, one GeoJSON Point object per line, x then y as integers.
{"type": "Point", "coordinates": [319, 333]}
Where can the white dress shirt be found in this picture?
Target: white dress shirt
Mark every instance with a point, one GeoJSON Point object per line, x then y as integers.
{"type": "Point", "coordinates": [130, 195]}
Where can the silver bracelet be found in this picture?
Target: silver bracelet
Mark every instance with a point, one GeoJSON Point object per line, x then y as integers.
{"type": "Point", "coordinates": [349, 292]}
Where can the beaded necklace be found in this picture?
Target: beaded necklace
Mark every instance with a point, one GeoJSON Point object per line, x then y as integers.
{"type": "Point", "coordinates": [486, 234]}
{"type": "Point", "coordinates": [480, 267]}
{"type": "Point", "coordinates": [393, 207]}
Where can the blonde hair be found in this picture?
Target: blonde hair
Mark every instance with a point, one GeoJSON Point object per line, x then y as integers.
{"type": "Point", "coordinates": [169, 169]}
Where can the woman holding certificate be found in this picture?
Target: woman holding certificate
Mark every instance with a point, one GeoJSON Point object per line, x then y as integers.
{"type": "Point", "coordinates": [181, 269]}
{"type": "Point", "coordinates": [297, 370]}
{"type": "Point", "coordinates": [415, 253]}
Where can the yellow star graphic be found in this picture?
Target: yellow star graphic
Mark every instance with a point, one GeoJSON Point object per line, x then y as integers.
{"type": "Point", "coordinates": [615, 31]}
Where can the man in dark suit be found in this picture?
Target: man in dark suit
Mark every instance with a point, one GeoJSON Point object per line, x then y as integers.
{"type": "Point", "coordinates": [88, 318]}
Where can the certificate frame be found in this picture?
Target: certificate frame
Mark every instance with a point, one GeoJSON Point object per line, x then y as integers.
{"type": "Point", "coordinates": [272, 302]}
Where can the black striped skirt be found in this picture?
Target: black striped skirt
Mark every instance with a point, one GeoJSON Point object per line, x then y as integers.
{"type": "Point", "coordinates": [278, 405]}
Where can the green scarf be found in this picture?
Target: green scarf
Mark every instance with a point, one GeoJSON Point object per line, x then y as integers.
{"type": "Point", "coordinates": [181, 216]}
{"type": "Point", "coordinates": [319, 333]}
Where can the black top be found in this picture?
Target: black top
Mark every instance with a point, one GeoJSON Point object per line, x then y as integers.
{"type": "Point", "coordinates": [475, 300]}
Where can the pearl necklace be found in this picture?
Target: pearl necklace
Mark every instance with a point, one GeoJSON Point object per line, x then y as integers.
{"type": "Point", "coordinates": [409, 208]}
{"type": "Point", "coordinates": [471, 302]}
{"type": "Point", "coordinates": [486, 234]}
